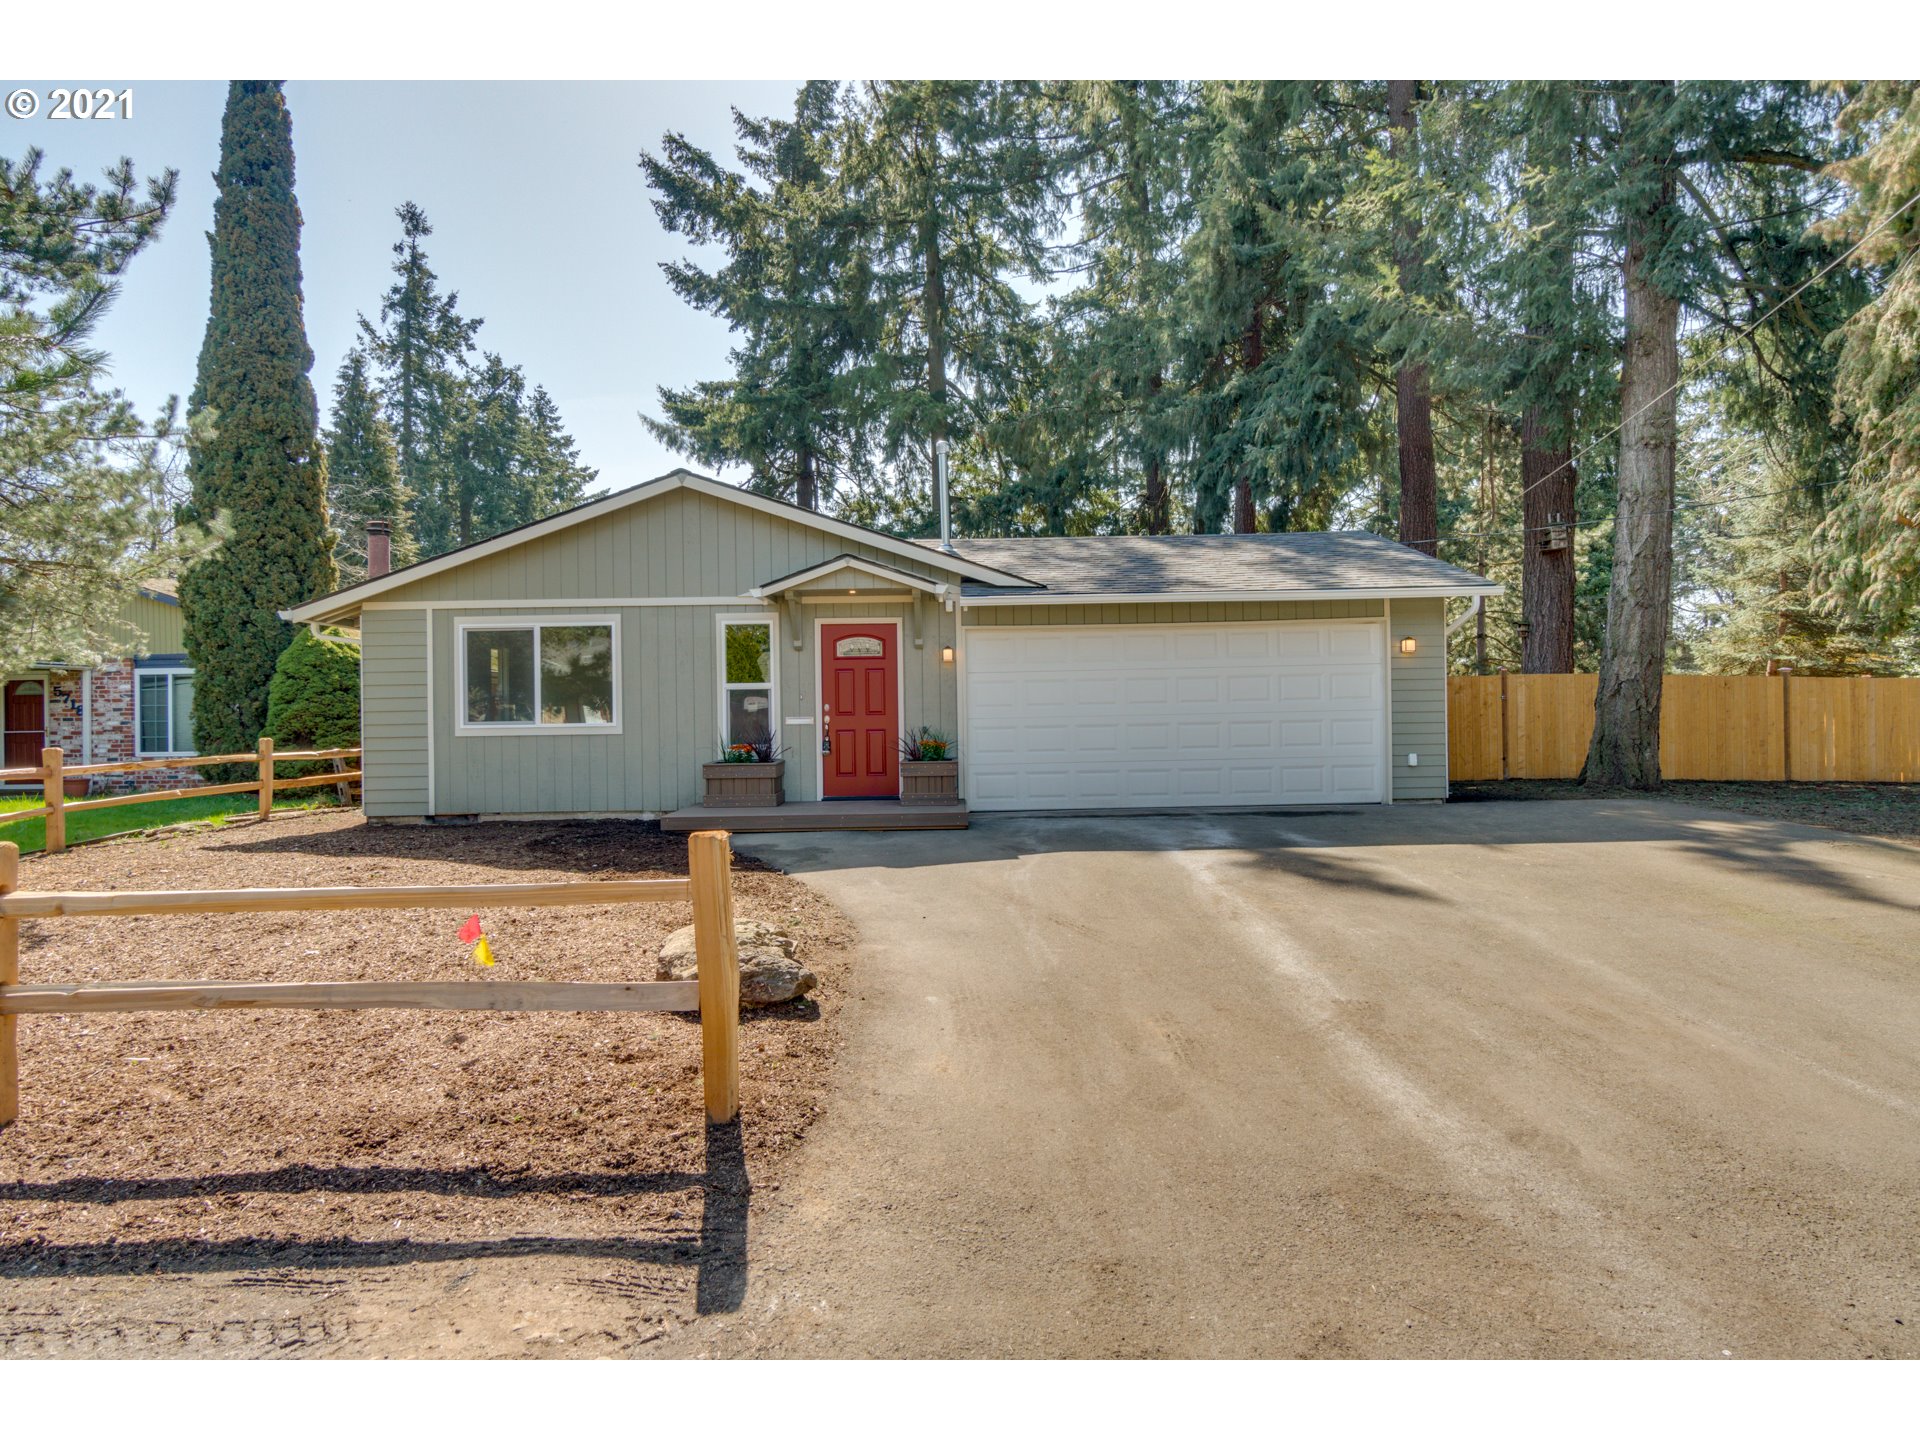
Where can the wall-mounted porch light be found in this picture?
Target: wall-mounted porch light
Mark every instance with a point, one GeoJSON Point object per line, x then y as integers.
{"type": "Point", "coordinates": [946, 654]}
{"type": "Point", "coordinates": [1408, 645]}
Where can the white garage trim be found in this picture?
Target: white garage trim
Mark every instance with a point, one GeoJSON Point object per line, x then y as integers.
{"type": "Point", "coordinates": [1145, 723]}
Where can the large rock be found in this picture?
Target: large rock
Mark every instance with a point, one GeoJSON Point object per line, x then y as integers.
{"type": "Point", "coordinates": [768, 972]}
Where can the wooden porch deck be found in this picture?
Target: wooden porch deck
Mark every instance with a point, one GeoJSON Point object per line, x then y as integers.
{"type": "Point", "coordinates": [816, 815]}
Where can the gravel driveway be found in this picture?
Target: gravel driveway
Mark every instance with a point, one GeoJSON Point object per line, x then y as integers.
{"type": "Point", "coordinates": [1555, 1078]}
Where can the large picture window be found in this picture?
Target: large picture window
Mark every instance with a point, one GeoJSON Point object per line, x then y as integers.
{"type": "Point", "coordinates": [746, 681]}
{"type": "Point", "coordinates": [539, 676]}
{"type": "Point", "coordinates": [163, 715]}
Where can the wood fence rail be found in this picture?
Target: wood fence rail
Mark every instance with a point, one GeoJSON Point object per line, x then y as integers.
{"type": "Point", "coordinates": [53, 772]}
{"type": "Point", "coordinates": [714, 992]}
{"type": "Point", "coordinates": [1712, 727]}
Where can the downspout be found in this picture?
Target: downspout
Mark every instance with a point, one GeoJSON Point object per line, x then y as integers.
{"type": "Point", "coordinates": [1479, 604]}
{"type": "Point", "coordinates": [86, 716]}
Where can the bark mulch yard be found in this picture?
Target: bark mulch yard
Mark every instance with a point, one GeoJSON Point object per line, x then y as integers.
{"type": "Point", "coordinates": [1886, 812]}
{"type": "Point", "coordinates": [387, 1181]}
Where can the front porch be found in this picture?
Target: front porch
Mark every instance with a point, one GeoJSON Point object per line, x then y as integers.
{"type": "Point", "coordinates": [816, 815]}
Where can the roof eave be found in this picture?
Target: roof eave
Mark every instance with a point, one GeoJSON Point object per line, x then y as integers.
{"type": "Point", "coordinates": [1185, 597]}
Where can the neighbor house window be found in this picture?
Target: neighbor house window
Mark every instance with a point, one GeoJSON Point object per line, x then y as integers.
{"type": "Point", "coordinates": [546, 675]}
{"type": "Point", "coordinates": [164, 713]}
{"type": "Point", "coordinates": [746, 681]}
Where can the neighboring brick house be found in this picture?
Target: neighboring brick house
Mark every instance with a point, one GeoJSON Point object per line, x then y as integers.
{"type": "Point", "coordinates": [136, 706]}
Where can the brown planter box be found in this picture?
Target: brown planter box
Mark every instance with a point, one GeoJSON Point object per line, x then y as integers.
{"type": "Point", "coordinates": [74, 787]}
{"type": "Point", "coordinates": [753, 783]}
{"type": "Point", "coordinates": [929, 782]}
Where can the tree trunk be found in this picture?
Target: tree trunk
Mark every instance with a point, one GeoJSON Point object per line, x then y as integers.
{"type": "Point", "coordinates": [935, 304]}
{"type": "Point", "coordinates": [807, 485]}
{"type": "Point", "coordinates": [1547, 481]}
{"type": "Point", "coordinates": [1419, 499]}
{"type": "Point", "coordinates": [1156, 505]}
{"type": "Point", "coordinates": [1626, 729]}
{"type": "Point", "coordinates": [1253, 354]}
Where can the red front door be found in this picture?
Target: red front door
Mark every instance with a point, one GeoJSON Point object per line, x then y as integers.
{"type": "Point", "coordinates": [860, 698]}
{"type": "Point", "coordinates": [26, 722]}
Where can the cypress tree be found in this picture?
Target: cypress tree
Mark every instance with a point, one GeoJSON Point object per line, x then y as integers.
{"type": "Point", "coordinates": [261, 466]}
{"type": "Point", "coordinates": [363, 472]}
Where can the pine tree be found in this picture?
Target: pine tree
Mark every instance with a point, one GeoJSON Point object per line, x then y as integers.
{"type": "Point", "coordinates": [262, 467]}
{"type": "Point", "coordinates": [1273, 367]}
{"type": "Point", "coordinates": [363, 473]}
{"type": "Point", "coordinates": [1130, 166]}
{"type": "Point", "coordinates": [1870, 545]}
{"type": "Point", "coordinates": [421, 345]}
{"type": "Point", "coordinates": [952, 185]}
{"type": "Point", "coordinates": [794, 288]}
{"type": "Point", "coordinates": [83, 518]}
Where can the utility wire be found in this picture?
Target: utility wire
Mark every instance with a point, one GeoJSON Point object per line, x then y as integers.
{"type": "Point", "coordinates": [1738, 336]}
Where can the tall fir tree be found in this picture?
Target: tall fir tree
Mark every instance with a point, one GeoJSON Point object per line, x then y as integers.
{"type": "Point", "coordinates": [421, 346]}
{"type": "Point", "coordinates": [261, 467]}
{"type": "Point", "coordinates": [955, 195]}
{"type": "Point", "coordinates": [363, 473]}
{"type": "Point", "coordinates": [795, 289]}
{"type": "Point", "coordinates": [551, 460]}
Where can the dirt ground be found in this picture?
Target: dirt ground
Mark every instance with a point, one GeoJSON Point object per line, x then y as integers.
{"type": "Point", "coordinates": [387, 1182]}
{"type": "Point", "coordinates": [1886, 812]}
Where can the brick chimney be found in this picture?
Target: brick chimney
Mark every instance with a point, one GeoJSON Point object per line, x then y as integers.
{"type": "Point", "coordinates": [379, 548]}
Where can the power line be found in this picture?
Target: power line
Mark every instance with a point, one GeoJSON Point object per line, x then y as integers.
{"type": "Point", "coordinates": [1738, 336]}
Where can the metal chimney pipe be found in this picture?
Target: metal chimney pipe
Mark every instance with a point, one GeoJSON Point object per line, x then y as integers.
{"type": "Point", "coordinates": [379, 548]}
{"type": "Point", "coordinates": [940, 482]}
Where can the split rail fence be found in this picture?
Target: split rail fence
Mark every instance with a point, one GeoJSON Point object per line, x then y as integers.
{"type": "Point", "coordinates": [715, 993]}
{"type": "Point", "coordinates": [1712, 727]}
{"type": "Point", "coordinates": [53, 772]}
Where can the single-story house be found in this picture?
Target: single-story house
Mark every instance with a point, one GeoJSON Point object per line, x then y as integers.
{"type": "Point", "coordinates": [137, 705]}
{"type": "Point", "coordinates": [587, 664]}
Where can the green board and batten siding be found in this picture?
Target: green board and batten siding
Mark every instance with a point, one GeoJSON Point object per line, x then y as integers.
{"type": "Point", "coordinates": [678, 545]}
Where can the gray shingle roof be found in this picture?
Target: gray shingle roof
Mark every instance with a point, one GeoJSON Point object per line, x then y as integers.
{"type": "Point", "coordinates": [1303, 561]}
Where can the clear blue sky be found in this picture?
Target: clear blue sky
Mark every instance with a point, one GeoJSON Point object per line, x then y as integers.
{"type": "Point", "coordinates": [540, 215]}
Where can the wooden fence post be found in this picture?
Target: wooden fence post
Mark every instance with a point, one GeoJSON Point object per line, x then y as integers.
{"type": "Point", "coordinates": [55, 790]}
{"type": "Point", "coordinates": [1786, 724]}
{"type": "Point", "coordinates": [265, 750]}
{"type": "Point", "coordinates": [9, 975]}
{"type": "Point", "coordinates": [710, 869]}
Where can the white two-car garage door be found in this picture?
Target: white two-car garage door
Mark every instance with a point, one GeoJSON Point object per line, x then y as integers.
{"type": "Point", "coordinates": [1106, 716]}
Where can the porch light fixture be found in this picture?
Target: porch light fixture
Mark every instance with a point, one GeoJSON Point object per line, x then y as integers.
{"type": "Point", "coordinates": [1408, 645]}
{"type": "Point", "coordinates": [946, 654]}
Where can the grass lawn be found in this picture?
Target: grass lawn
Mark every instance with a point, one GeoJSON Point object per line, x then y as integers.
{"type": "Point", "coordinates": [31, 835]}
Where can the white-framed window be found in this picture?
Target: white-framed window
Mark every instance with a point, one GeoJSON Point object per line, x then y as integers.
{"type": "Point", "coordinates": [162, 713]}
{"type": "Point", "coordinates": [538, 675]}
{"type": "Point", "coordinates": [749, 679]}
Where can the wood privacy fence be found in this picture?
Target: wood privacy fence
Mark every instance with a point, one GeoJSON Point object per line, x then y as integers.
{"type": "Point", "coordinates": [1712, 727]}
{"type": "Point", "coordinates": [53, 772]}
{"type": "Point", "coordinates": [715, 993]}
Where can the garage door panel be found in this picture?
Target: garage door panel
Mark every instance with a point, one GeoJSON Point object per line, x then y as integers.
{"type": "Point", "coordinates": [1112, 716]}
